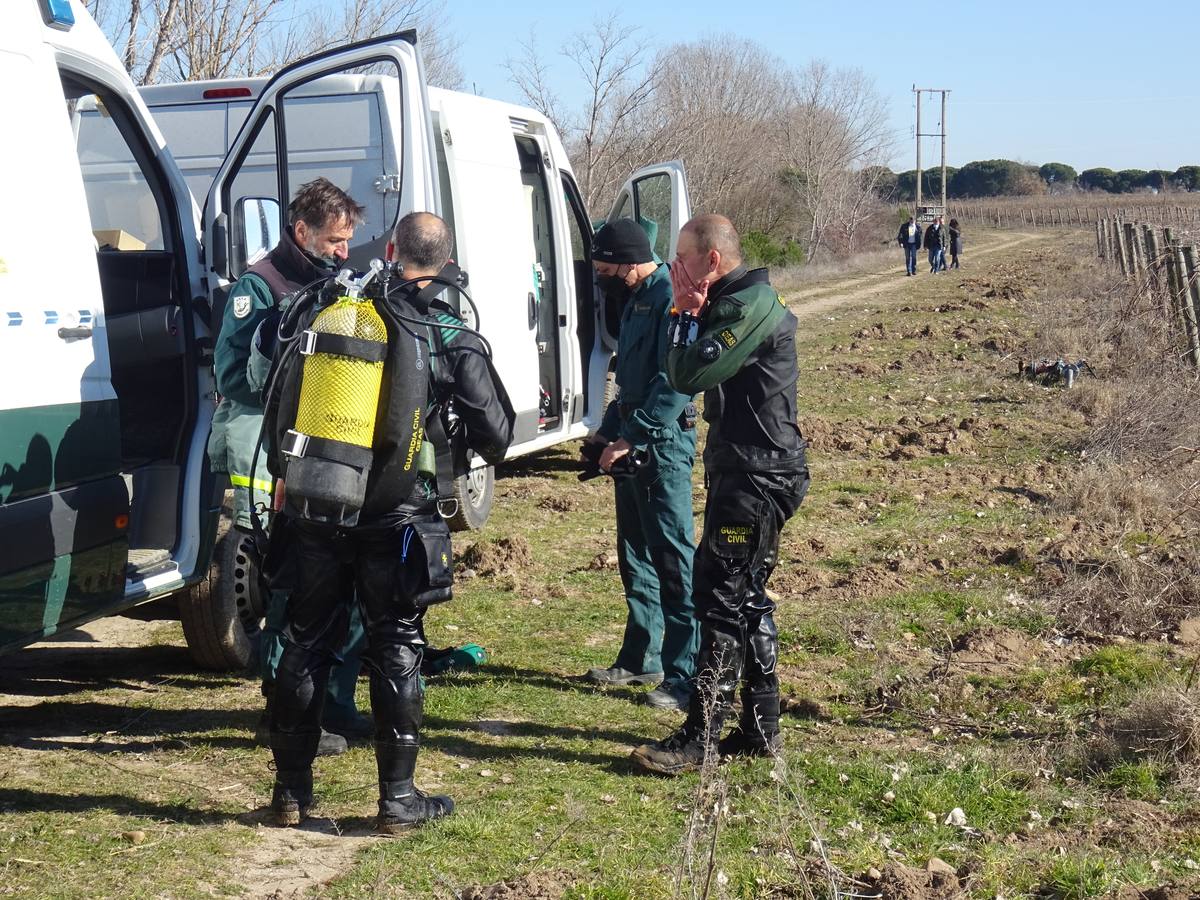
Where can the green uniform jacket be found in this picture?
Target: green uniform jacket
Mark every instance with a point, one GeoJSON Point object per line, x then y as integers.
{"type": "Point", "coordinates": [652, 407]}
{"type": "Point", "coordinates": [237, 421]}
{"type": "Point", "coordinates": [744, 359]}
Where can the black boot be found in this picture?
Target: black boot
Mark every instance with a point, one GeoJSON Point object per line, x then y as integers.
{"type": "Point", "coordinates": [292, 798]}
{"type": "Point", "coordinates": [680, 752]}
{"type": "Point", "coordinates": [401, 804]}
{"type": "Point", "coordinates": [757, 733]}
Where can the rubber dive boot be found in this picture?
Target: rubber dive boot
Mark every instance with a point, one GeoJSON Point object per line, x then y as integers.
{"type": "Point", "coordinates": [757, 733]}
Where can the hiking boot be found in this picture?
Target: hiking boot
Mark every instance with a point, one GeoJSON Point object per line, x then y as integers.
{"type": "Point", "coordinates": [739, 743]}
{"type": "Point", "coordinates": [403, 806]}
{"type": "Point", "coordinates": [615, 675]}
{"type": "Point", "coordinates": [668, 696]}
{"type": "Point", "coordinates": [292, 798]}
{"type": "Point", "coordinates": [352, 727]}
{"type": "Point", "coordinates": [674, 755]}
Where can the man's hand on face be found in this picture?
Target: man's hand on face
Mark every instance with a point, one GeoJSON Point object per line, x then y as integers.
{"type": "Point", "coordinates": [687, 295]}
{"type": "Point", "coordinates": [614, 451]}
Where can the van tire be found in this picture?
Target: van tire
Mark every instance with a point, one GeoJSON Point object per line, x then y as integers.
{"type": "Point", "coordinates": [474, 493]}
{"type": "Point", "coordinates": [221, 612]}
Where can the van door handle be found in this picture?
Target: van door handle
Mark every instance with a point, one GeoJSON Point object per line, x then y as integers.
{"type": "Point", "coordinates": [532, 310]}
{"type": "Point", "coordinates": [69, 334]}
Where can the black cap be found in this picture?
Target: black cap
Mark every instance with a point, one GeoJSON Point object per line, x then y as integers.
{"type": "Point", "coordinates": [620, 242]}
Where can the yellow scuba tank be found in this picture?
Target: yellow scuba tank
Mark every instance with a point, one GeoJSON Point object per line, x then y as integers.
{"type": "Point", "coordinates": [328, 451]}
{"type": "Point", "coordinates": [339, 395]}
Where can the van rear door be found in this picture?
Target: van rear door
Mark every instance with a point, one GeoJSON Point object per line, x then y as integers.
{"type": "Point", "coordinates": [273, 153]}
{"type": "Point", "coordinates": [656, 197]}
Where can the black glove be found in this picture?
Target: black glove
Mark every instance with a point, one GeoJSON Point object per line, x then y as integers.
{"type": "Point", "coordinates": [625, 467]}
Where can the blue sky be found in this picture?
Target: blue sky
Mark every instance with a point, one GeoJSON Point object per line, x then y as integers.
{"type": "Point", "coordinates": [1088, 84]}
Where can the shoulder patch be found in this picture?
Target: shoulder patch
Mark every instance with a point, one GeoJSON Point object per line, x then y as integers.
{"type": "Point", "coordinates": [242, 304]}
{"type": "Point", "coordinates": [728, 338]}
{"type": "Point", "coordinates": [710, 350]}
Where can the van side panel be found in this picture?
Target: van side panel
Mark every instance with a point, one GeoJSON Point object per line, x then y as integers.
{"type": "Point", "coordinates": [63, 504]}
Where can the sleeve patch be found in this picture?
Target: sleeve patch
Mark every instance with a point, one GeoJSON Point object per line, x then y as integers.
{"type": "Point", "coordinates": [729, 338]}
{"type": "Point", "coordinates": [242, 304]}
{"type": "Point", "coordinates": [709, 350]}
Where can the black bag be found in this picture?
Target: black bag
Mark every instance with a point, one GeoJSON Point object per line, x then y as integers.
{"type": "Point", "coordinates": [426, 562]}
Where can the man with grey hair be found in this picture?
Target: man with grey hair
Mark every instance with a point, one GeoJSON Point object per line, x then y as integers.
{"type": "Point", "coordinates": [321, 222]}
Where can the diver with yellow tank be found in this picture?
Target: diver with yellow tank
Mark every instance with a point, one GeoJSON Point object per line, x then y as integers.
{"type": "Point", "coordinates": [376, 393]}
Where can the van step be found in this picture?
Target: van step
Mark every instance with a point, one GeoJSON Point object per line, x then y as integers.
{"type": "Point", "coordinates": [147, 562]}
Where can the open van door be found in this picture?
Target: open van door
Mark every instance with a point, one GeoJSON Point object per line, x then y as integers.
{"type": "Point", "coordinates": [272, 154]}
{"type": "Point", "coordinates": [656, 197]}
{"type": "Point", "coordinates": [284, 135]}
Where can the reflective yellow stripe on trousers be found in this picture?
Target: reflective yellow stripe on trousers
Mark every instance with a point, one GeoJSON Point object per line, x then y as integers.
{"type": "Point", "coordinates": [244, 481]}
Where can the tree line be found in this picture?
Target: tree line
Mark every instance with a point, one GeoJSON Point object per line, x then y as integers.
{"type": "Point", "coordinates": [1006, 177]}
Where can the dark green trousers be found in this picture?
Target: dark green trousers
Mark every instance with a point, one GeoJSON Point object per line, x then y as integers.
{"type": "Point", "coordinates": [655, 549]}
{"type": "Point", "coordinates": [339, 700]}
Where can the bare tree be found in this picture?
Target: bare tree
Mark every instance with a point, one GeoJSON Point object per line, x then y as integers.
{"type": "Point", "coordinates": [715, 106]}
{"type": "Point", "coordinates": [530, 74]}
{"type": "Point", "coordinates": [618, 79]}
{"type": "Point", "coordinates": [834, 130]}
{"type": "Point", "coordinates": [185, 40]}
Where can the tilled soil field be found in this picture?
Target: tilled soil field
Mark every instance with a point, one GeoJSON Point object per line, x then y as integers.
{"type": "Point", "coordinates": [945, 719]}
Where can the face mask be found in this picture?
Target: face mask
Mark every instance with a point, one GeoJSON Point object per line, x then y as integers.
{"type": "Point", "coordinates": [614, 287]}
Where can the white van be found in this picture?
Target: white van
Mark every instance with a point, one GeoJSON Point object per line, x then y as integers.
{"type": "Point", "coordinates": [111, 286]}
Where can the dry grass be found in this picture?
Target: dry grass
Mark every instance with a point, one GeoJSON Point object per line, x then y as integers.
{"type": "Point", "coordinates": [1160, 724]}
{"type": "Point", "coordinates": [794, 278]}
{"type": "Point", "coordinates": [1128, 563]}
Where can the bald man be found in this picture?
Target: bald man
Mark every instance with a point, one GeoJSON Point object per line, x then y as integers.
{"type": "Point", "coordinates": [397, 559]}
{"type": "Point", "coordinates": [733, 339]}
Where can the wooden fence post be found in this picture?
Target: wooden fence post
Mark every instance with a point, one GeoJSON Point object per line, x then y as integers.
{"type": "Point", "coordinates": [1192, 299]}
{"type": "Point", "coordinates": [1184, 304]}
{"type": "Point", "coordinates": [1099, 242]}
{"type": "Point", "coordinates": [1134, 250]}
{"type": "Point", "coordinates": [1118, 234]}
{"type": "Point", "coordinates": [1154, 269]}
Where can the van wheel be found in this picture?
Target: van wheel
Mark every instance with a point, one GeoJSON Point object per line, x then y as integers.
{"type": "Point", "coordinates": [474, 492]}
{"type": "Point", "coordinates": [221, 613]}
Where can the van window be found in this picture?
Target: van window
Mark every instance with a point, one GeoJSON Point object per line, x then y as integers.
{"type": "Point", "coordinates": [257, 179]}
{"type": "Point", "coordinates": [653, 204]}
{"type": "Point", "coordinates": [124, 211]}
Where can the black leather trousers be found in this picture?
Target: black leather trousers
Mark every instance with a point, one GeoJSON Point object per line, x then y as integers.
{"type": "Point", "coordinates": [331, 566]}
{"type": "Point", "coordinates": [743, 517]}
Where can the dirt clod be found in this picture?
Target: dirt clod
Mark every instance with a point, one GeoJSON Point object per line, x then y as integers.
{"type": "Point", "coordinates": [536, 886]}
{"type": "Point", "coordinates": [506, 556]}
{"type": "Point", "coordinates": [901, 882]}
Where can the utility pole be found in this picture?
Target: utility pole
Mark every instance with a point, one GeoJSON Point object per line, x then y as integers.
{"type": "Point", "coordinates": [925, 215]}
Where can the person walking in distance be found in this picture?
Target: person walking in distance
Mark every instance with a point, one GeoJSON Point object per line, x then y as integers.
{"type": "Point", "coordinates": [909, 239]}
{"type": "Point", "coordinates": [934, 242]}
{"type": "Point", "coordinates": [733, 338]}
{"type": "Point", "coordinates": [956, 243]}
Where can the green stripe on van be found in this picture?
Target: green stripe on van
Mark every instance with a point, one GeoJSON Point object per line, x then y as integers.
{"type": "Point", "coordinates": [45, 448]}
